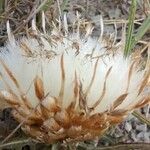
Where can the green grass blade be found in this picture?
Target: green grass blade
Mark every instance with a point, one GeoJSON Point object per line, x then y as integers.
{"type": "Point", "coordinates": [64, 5]}
{"type": "Point", "coordinates": [129, 36]}
{"type": "Point", "coordinates": [141, 31]}
{"type": "Point", "coordinates": [2, 4]}
{"type": "Point", "coordinates": [47, 5]}
{"type": "Point", "coordinates": [142, 118]}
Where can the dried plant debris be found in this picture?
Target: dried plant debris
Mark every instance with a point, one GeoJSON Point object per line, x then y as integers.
{"type": "Point", "coordinates": [90, 9]}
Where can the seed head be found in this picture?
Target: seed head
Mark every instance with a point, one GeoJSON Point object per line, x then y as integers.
{"type": "Point", "coordinates": [70, 86]}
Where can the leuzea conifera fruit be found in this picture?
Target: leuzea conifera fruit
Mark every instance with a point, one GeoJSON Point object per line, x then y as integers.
{"type": "Point", "coordinates": [68, 86]}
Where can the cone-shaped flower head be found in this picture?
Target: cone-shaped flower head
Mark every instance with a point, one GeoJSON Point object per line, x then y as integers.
{"type": "Point", "coordinates": [67, 86]}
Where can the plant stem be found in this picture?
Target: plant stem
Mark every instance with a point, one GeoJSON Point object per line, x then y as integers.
{"type": "Point", "coordinates": [137, 146]}
{"type": "Point", "coordinates": [141, 118]}
{"type": "Point", "coordinates": [16, 142]}
{"type": "Point", "coordinates": [129, 36]}
{"type": "Point", "coordinates": [2, 4]}
{"type": "Point", "coordinates": [141, 31]}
